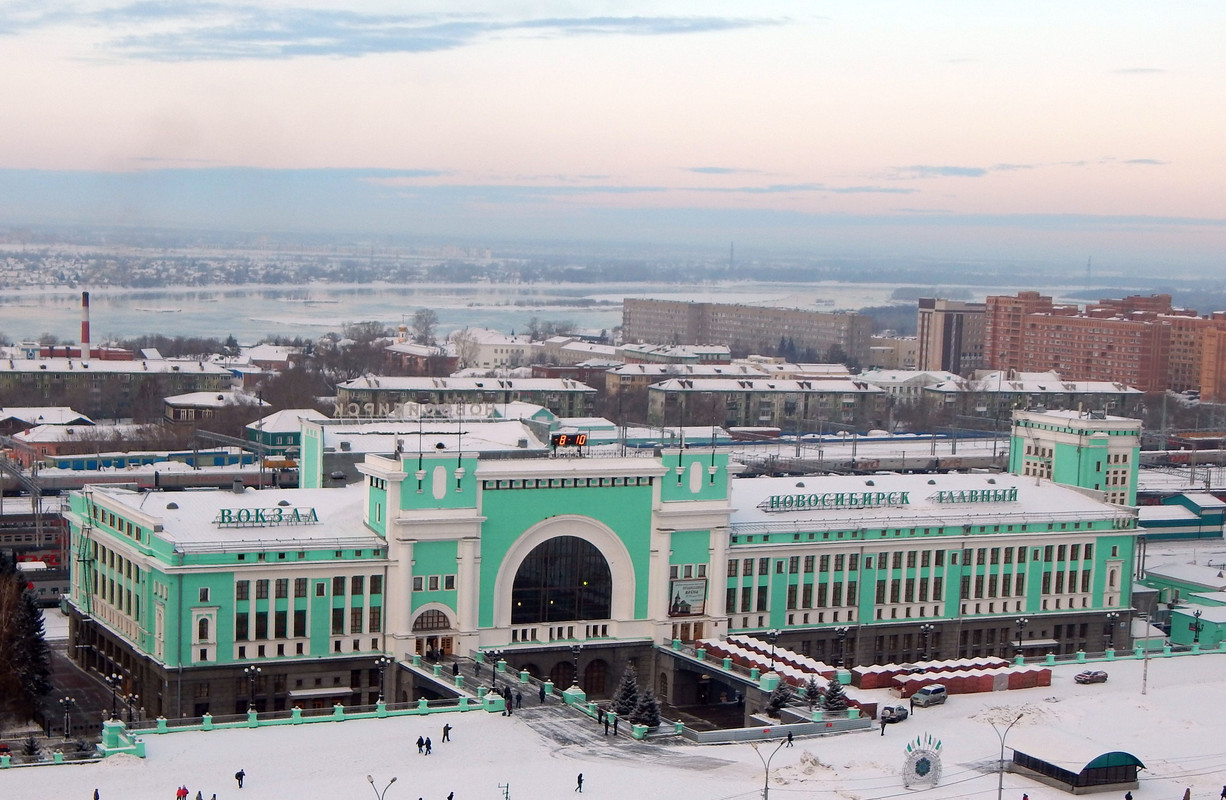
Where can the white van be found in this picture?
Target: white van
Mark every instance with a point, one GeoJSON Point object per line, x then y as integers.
{"type": "Point", "coordinates": [931, 695]}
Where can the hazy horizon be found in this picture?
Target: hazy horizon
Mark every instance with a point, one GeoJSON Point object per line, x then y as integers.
{"type": "Point", "coordinates": [1047, 132]}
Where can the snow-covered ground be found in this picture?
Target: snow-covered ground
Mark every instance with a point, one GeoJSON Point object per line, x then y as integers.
{"type": "Point", "coordinates": [1176, 729]}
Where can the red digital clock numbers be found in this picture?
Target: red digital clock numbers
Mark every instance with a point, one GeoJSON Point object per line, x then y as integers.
{"type": "Point", "coordinates": [568, 439]}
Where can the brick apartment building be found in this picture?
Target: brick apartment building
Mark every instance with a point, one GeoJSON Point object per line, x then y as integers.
{"type": "Point", "coordinates": [1139, 341]}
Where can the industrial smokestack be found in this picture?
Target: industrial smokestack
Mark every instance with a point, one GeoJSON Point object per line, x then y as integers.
{"type": "Point", "coordinates": [85, 326]}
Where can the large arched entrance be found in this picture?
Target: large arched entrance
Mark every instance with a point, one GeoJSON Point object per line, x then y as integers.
{"type": "Point", "coordinates": [563, 578]}
{"type": "Point", "coordinates": [433, 632]}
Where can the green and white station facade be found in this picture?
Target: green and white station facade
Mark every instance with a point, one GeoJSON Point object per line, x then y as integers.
{"type": "Point", "coordinates": [446, 554]}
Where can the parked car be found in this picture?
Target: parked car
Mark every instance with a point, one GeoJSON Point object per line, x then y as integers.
{"type": "Point", "coordinates": [931, 695]}
{"type": "Point", "coordinates": [1091, 676]}
{"type": "Point", "coordinates": [894, 713]}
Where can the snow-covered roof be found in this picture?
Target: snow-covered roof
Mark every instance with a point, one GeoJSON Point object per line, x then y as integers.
{"type": "Point", "coordinates": [1195, 574]}
{"type": "Point", "coordinates": [44, 415]}
{"type": "Point", "coordinates": [420, 384]}
{"type": "Point", "coordinates": [761, 384]}
{"type": "Point", "coordinates": [912, 500]}
{"type": "Point", "coordinates": [380, 436]}
{"type": "Point", "coordinates": [215, 399]}
{"type": "Point", "coordinates": [93, 365]}
{"type": "Point", "coordinates": [287, 420]}
{"type": "Point", "coordinates": [78, 433]}
{"type": "Point", "coordinates": [1165, 513]}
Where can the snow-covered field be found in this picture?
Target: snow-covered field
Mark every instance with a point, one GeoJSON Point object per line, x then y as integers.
{"type": "Point", "coordinates": [1176, 729]}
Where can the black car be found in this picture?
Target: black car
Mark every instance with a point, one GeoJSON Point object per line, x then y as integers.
{"type": "Point", "coordinates": [1091, 676]}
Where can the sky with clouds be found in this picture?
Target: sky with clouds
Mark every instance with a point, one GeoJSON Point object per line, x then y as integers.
{"type": "Point", "coordinates": [970, 129]}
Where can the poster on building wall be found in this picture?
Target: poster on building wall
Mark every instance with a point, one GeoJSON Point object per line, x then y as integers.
{"type": "Point", "coordinates": [688, 598]}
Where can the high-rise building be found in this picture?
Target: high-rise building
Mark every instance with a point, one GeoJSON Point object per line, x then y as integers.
{"type": "Point", "coordinates": [950, 335]}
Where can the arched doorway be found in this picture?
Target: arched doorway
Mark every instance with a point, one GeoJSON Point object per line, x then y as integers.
{"type": "Point", "coordinates": [563, 578]}
{"type": "Point", "coordinates": [562, 675]}
{"type": "Point", "coordinates": [432, 631]}
{"type": "Point", "coordinates": [595, 677]}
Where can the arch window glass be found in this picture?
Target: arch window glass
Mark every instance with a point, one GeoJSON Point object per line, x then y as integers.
{"type": "Point", "coordinates": [564, 578]}
{"type": "Point", "coordinates": [432, 620]}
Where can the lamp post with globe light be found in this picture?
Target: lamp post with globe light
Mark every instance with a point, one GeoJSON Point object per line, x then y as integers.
{"type": "Point", "coordinates": [379, 794]}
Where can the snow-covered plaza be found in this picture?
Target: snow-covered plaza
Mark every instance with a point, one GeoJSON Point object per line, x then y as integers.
{"type": "Point", "coordinates": [1176, 729]}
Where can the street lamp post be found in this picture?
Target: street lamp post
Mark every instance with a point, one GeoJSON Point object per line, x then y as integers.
{"type": "Point", "coordinates": [67, 703]}
{"type": "Point", "coordinates": [1112, 616]}
{"type": "Point", "coordinates": [1000, 765]}
{"type": "Point", "coordinates": [766, 766]}
{"type": "Point", "coordinates": [113, 680]}
{"type": "Point", "coordinates": [772, 636]}
{"type": "Point", "coordinates": [379, 794]}
{"type": "Point", "coordinates": [1196, 625]}
{"type": "Point", "coordinates": [382, 662]}
{"type": "Point", "coordinates": [575, 650]}
{"type": "Point", "coordinates": [1021, 623]}
{"type": "Point", "coordinates": [841, 632]}
{"type": "Point", "coordinates": [926, 631]}
{"type": "Point", "coordinates": [252, 672]}
{"type": "Point", "coordinates": [493, 656]}
{"type": "Point", "coordinates": [131, 699]}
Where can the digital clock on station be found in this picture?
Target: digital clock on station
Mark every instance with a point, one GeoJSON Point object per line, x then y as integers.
{"type": "Point", "coordinates": [568, 440]}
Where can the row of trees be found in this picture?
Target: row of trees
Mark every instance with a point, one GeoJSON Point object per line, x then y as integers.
{"type": "Point", "coordinates": [25, 659]}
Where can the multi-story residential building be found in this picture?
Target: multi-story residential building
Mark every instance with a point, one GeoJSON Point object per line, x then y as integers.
{"type": "Point", "coordinates": [1141, 341]}
{"type": "Point", "coordinates": [675, 354]}
{"type": "Point", "coordinates": [794, 405]}
{"type": "Point", "coordinates": [995, 395]}
{"type": "Point", "coordinates": [112, 389]}
{"type": "Point", "coordinates": [446, 553]}
{"type": "Point", "coordinates": [906, 386]}
{"type": "Point", "coordinates": [371, 396]}
{"type": "Point", "coordinates": [746, 329]}
{"type": "Point", "coordinates": [893, 352]}
{"type": "Point", "coordinates": [950, 335]}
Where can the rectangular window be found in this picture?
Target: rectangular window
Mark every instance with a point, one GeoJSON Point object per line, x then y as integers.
{"type": "Point", "coordinates": [748, 567]}
{"type": "Point", "coordinates": [300, 587]}
{"type": "Point", "coordinates": [204, 593]}
{"type": "Point", "coordinates": [338, 621]}
{"type": "Point", "coordinates": [1019, 584]}
{"type": "Point", "coordinates": [880, 592]}
{"type": "Point", "coordinates": [419, 583]}
{"type": "Point", "coordinates": [433, 583]}
{"type": "Point", "coordinates": [939, 558]}
{"type": "Point", "coordinates": [1047, 552]}
{"type": "Point", "coordinates": [764, 566]}
{"type": "Point", "coordinates": [762, 598]}
{"type": "Point", "coordinates": [809, 562]}
{"type": "Point", "coordinates": [376, 584]}
{"type": "Point", "coordinates": [732, 567]}
{"type": "Point", "coordinates": [282, 588]}
{"type": "Point", "coordinates": [280, 624]}
{"type": "Point", "coordinates": [851, 596]}
{"type": "Point", "coordinates": [240, 626]}
{"type": "Point", "coordinates": [938, 589]}
{"type": "Point", "coordinates": [897, 563]}
{"type": "Point", "coordinates": [895, 591]}
{"type": "Point", "coordinates": [926, 558]}
{"type": "Point", "coordinates": [242, 590]}
{"type": "Point", "coordinates": [779, 567]}
{"type": "Point", "coordinates": [338, 586]}
{"type": "Point", "coordinates": [261, 589]}
{"type": "Point", "coordinates": [910, 559]}
{"type": "Point", "coordinates": [1060, 553]}
{"type": "Point", "coordinates": [261, 625]}
{"type": "Point", "coordinates": [838, 562]}
{"type": "Point", "coordinates": [836, 593]}
{"type": "Point", "coordinates": [793, 565]}
{"type": "Point", "coordinates": [822, 590]}
{"type": "Point", "coordinates": [992, 579]}
{"type": "Point", "coordinates": [1085, 580]}
{"type": "Point", "coordinates": [1075, 552]}
{"type": "Point", "coordinates": [908, 595]}
{"type": "Point", "coordinates": [791, 601]}
{"type": "Point", "coordinates": [824, 564]}
{"type": "Point", "coordinates": [1059, 583]}
{"type": "Point", "coordinates": [1008, 555]}
{"type": "Point", "coordinates": [1089, 552]}
{"type": "Point", "coordinates": [1046, 583]}
{"type": "Point", "coordinates": [730, 600]}
{"type": "Point", "coordinates": [355, 620]}
{"type": "Point", "coordinates": [300, 623]}
{"type": "Point", "coordinates": [357, 584]}
{"type": "Point", "coordinates": [746, 599]}
{"type": "Point", "coordinates": [449, 583]}
{"type": "Point", "coordinates": [806, 596]}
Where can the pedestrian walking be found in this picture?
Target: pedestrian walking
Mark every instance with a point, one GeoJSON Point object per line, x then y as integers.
{"type": "Point", "coordinates": [911, 700]}
{"type": "Point", "coordinates": [199, 794]}
{"type": "Point", "coordinates": [238, 776]}
{"type": "Point", "coordinates": [789, 739]}
{"type": "Point", "coordinates": [181, 792]}
{"type": "Point", "coordinates": [600, 716]}
{"type": "Point", "coordinates": [579, 785]}
{"type": "Point", "coordinates": [446, 733]}
{"type": "Point", "coordinates": [1127, 795]}
{"type": "Point", "coordinates": [1222, 795]}
{"type": "Point", "coordinates": [1187, 793]}
{"type": "Point", "coordinates": [606, 725]}
{"type": "Point", "coordinates": [421, 744]}
{"type": "Point", "coordinates": [883, 726]}
{"type": "Point", "coordinates": [214, 797]}
{"type": "Point", "coordinates": [451, 796]}
{"type": "Point", "coordinates": [519, 699]}
{"type": "Point", "coordinates": [615, 718]}
{"type": "Point", "coordinates": [96, 795]}
{"type": "Point", "coordinates": [455, 668]}
{"type": "Point", "coordinates": [1025, 796]}
{"type": "Point", "coordinates": [427, 745]}
{"type": "Point", "coordinates": [542, 694]}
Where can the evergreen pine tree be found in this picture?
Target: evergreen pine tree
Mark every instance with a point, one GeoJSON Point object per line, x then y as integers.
{"type": "Point", "coordinates": [646, 711]}
{"type": "Point", "coordinates": [627, 696]}
{"type": "Point", "coordinates": [25, 659]}
{"type": "Point", "coordinates": [835, 699]}
{"type": "Point", "coordinates": [778, 699]}
{"type": "Point", "coordinates": [813, 692]}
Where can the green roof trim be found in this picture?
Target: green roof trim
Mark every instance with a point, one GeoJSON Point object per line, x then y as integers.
{"type": "Point", "coordinates": [1116, 758]}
